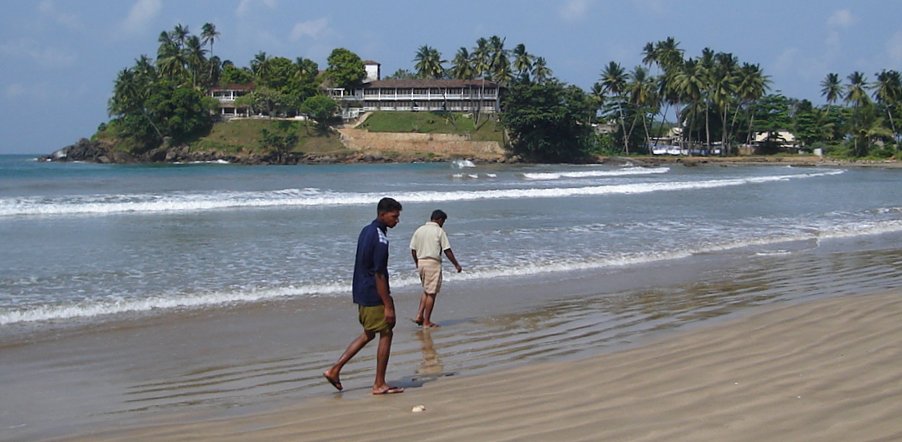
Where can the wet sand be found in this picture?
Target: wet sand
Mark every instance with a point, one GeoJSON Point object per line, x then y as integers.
{"type": "Point", "coordinates": [515, 359]}
{"type": "Point", "coordinates": [817, 370]}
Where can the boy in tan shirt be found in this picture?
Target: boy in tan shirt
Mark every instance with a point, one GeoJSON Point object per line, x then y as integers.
{"type": "Point", "coordinates": [428, 243]}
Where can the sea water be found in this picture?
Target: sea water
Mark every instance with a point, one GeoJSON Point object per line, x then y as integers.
{"type": "Point", "coordinates": [86, 243]}
{"type": "Point", "coordinates": [130, 291]}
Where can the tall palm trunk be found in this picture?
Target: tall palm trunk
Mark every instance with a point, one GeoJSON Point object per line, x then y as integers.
{"type": "Point", "coordinates": [663, 119]}
{"type": "Point", "coordinates": [626, 146]}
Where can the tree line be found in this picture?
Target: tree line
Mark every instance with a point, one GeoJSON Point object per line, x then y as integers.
{"type": "Point", "coordinates": [713, 100]}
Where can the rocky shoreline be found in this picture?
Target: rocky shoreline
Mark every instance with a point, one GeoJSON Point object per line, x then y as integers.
{"type": "Point", "coordinates": [103, 152]}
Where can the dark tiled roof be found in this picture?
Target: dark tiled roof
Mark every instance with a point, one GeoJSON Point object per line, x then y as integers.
{"type": "Point", "coordinates": [425, 83]}
{"type": "Point", "coordinates": [234, 87]}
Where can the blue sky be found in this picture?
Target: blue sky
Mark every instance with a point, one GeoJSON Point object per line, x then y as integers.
{"type": "Point", "coordinates": [59, 57]}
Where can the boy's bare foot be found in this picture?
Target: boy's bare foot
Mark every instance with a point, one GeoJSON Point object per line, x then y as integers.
{"type": "Point", "coordinates": [333, 380]}
{"type": "Point", "coordinates": [388, 390]}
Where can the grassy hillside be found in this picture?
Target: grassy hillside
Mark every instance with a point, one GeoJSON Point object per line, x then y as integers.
{"type": "Point", "coordinates": [434, 122]}
{"type": "Point", "coordinates": [243, 137]}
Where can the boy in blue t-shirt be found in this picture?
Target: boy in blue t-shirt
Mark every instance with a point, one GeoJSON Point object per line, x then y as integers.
{"type": "Point", "coordinates": [371, 293]}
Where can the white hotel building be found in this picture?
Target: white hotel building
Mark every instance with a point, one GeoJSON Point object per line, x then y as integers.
{"type": "Point", "coordinates": [388, 95]}
{"type": "Point", "coordinates": [416, 95]}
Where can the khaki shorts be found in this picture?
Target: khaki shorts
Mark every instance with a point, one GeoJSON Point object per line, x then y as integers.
{"type": "Point", "coordinates": [430, 275]}
{"type": "Point", "coordinates": [372, 318]}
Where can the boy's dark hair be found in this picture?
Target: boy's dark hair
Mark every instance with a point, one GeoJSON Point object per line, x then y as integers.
{"type": "Point", "coordinates": [388, 205]}
{"type": "Point", "coordinates": [438, 215]}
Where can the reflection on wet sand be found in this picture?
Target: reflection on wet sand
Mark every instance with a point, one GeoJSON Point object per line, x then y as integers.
{"type": "Point", "coordinates": [431, 367]}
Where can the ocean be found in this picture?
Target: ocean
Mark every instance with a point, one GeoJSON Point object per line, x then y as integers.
{"type": "Point", "coordinates": [559, 261]}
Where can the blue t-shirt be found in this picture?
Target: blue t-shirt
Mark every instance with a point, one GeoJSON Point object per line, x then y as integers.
{"type": "Point", "coordinates": [372, 258]}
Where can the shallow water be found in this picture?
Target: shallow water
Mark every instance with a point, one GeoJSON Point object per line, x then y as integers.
{"type": "Point", "coordinates": [116, 306]}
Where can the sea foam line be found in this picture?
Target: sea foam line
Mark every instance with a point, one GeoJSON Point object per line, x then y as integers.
{"type": "Point", "coordinates": [188, 202]}
{"type": "Point", "coordinates": [108, 307]}
{"type": "Point", "coordinates": [596, 173]}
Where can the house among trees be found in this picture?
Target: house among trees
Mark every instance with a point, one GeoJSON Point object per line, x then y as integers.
{"type": "Point", "coordinates": [227, 96]}
{"type": "Point", "coordinates": [376, 94]}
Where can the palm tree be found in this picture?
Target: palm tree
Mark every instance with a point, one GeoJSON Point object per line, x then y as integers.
{"type": "Point", "coordinates": [540, 70]}
{"type": "Point", "coordinates": [613, 83]}
{"type": "Point", "coordinates": [689, 82]}
{"type": "Point", "coordinates": [643, 98]}
{"type": "Point", "coordinates": [522, 61]}
{"type": "Point", "coordinates": [723, 93]}
{"type": "Point", "coordinates": [669, 58]}
{"type": "Point", "coordinates": [831, 88]}
{"type": "Point", "coordinates": [856, 89]}
{"type": "Point", "coordinates": [194, 55]}
{"type": "Point", "coordinates": [706, 63]}
{"type": "Point", "coordinates": [888, 93]}
{"type": "Point", "coordinates": [259, 64]}
{"type": "Point", "coordinates": [499, 64]}
{"type": "Point", "coordinates": [649, 54]}
{"type": "Point", "coordinates": [856, 94]}
{"type": "Point", "coordinates": [209, 34]}
{"type": "Point", "coordinates": [461, 69]}
{"type": "Point", "coordinates": [180, 34]}
{"type": "Point", "coordinates": [481, 65]}
{"type": "Point", "coordinates": [751, 85]}
{"type": "Point", "coordinates": [429, 63]}
{"type": "Point", "coordinates": [131, 90]}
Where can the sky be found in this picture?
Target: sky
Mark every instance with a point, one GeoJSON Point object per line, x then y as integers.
{"type": "Point", "coordinates": [59, 58]}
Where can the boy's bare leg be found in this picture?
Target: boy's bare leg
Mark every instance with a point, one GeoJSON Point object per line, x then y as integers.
{"type": "Point", "coordinates": [428, 305]}
{"type": "Point", "coordinates": [382, 354]}
{"type": "Point", "coordinates": [334, 372]}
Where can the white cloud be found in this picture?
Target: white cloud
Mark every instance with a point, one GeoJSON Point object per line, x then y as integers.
{"type": "Point", "coordinates": [842, 18]}
{"type": "Point", "coordinates": [574, 9]}
{"type": "Point", "coordinates": [311, 28]}
{"type": "Point", "coordinates": [244, 6]}
{"type": "Point", "coordinates": [894, 47]}
{"type": "Point", "coordinates": [69, 20]}
{"type": "Point", "coordinates": [141, 14]}
{"type": "Point", "coordinates": [44, 56]}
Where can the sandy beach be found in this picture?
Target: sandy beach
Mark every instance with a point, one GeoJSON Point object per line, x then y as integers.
{"type": "Point", "coordinates": [818, 370]}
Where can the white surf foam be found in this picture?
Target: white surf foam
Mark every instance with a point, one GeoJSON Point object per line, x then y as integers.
{"type": "Point", "coordinates": [91, 309]}
{"type": "Point", "coordinates": [193, 202]}
{"type": "Point", "coordinates": [547, 176]}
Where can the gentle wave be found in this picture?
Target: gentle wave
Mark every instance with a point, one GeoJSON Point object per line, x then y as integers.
{"type": "Point", "coordinates": [197, 301]}
{"type": "Point", "coordinates": [192, 202]}
{"type": "Point", "coordinates": [547, 176]}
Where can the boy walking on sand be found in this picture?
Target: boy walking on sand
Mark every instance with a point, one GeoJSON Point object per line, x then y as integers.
{"type": "Point", "coordinates": [428, 243]}
{"type": "Point", "coordinates": [371, 293]}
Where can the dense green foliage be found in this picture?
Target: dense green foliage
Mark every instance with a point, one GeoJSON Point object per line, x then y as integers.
{"type": "Point", "coordinates": [345, 69]}
{"type": "Point", "coordinates": [711, 101]}
{"type": "Point", "coordinates": [321, 108]}
{"type": "Point", "coordinates": [549, 121]}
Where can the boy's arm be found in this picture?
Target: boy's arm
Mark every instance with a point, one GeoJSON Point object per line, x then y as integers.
{"type": "Point", "coordinates": [387, 301]}
{"type": "Point", "coordinates": [453, 260]}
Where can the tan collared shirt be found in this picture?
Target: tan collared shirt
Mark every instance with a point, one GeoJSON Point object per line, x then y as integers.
{"type": "Point", "coordinates": [429, 241]}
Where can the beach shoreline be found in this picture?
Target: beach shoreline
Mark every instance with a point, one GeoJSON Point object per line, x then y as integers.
{"type": "Point", "coordinates": [815, 370]}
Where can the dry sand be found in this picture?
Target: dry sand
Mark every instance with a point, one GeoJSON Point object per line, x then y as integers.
{"type": "Point", "coordinates": [828, 370]}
